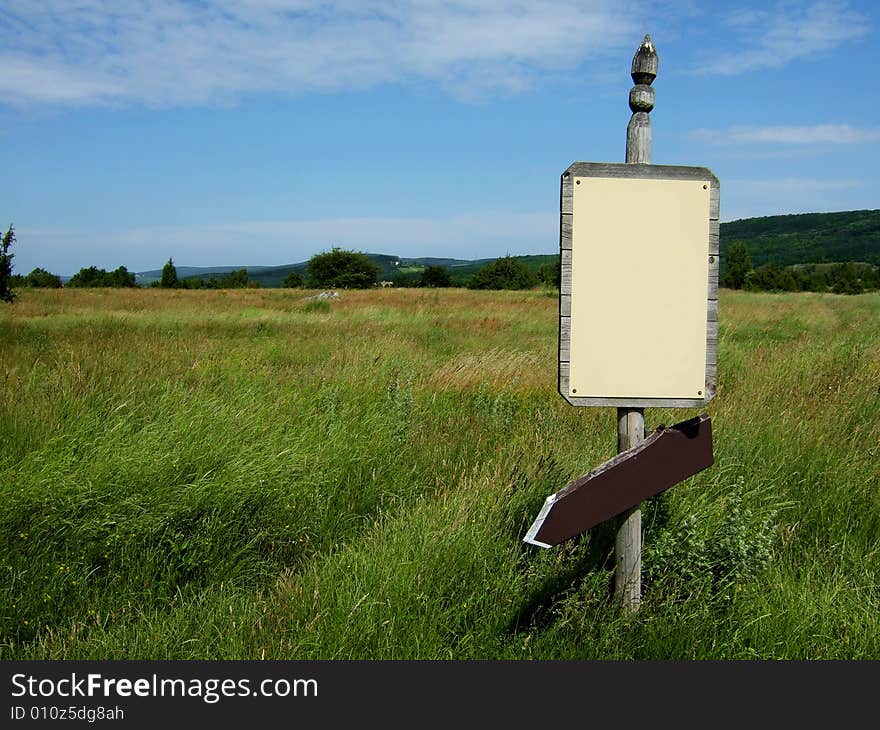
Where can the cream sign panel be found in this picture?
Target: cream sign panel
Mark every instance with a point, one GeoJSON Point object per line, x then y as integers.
{"type": "Point", "coordinates": [638, 277]}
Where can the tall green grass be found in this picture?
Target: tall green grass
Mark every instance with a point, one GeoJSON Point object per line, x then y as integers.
{"type": "Point", "coordinates": [240, 475]}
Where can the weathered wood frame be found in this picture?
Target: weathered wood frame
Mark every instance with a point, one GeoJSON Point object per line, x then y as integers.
{"type": "Point", "coordinates": [643, 171]}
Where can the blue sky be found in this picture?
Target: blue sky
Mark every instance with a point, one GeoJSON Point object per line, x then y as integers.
{"type": "Point", "coordinates": [259, 132]}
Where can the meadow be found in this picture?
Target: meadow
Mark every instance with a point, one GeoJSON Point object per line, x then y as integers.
{"type": "Point", "coordinates": [247, 474]}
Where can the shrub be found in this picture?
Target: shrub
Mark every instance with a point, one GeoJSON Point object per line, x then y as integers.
{"type": "Point", "coordinates": [237, 279]}
{"type": "Point", "coordinates": [42, 279]}
{"type": "Point", "coordinates": [435, 277]}
{"type": "Point", "coordinates": [95, 277]}
{"type": "Point", "coordinates": [739, 264]}
{"type": "Point", "coordinates": [293, 280]}
{"type": "Point", "coordinates": [338, 269]}
{"type": "Point", "coordinates": [770, 277]}
{"type": "Point", "coordinates": [503, 273]}
{"type": "Point", "coordinates": [551, 274]}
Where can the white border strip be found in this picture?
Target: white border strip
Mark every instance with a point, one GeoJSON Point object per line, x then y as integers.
{"type": "Point", "coordinates": [539, 522]}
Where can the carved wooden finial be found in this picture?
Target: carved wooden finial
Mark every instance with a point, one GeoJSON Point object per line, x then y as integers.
{"type": "Point", "coordinates": [641, 102]}
{"type": "Point", "coordinates": [645, 63]}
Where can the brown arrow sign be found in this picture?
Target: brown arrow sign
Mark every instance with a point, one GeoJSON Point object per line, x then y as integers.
{"type": "Point", "coordinates": [666, 457]}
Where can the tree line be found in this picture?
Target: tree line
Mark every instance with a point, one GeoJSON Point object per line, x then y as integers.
{"type": "Point", "coordinates": [850, 277]}
{"type": "Point", "coordinates": [343, 269]}
{"type": "Point", "coordinates": [237, 279]}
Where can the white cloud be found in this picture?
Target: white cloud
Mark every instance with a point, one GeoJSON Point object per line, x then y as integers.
{"type": "Point", "coordinates": [793, 134]}
{"type": "Point", "coordinates": [172, 52]}
{"type": "Point", "coordinates": [774, 38]}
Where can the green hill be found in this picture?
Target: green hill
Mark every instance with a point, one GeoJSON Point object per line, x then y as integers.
{"type": "Point", "coordinates": [785, 240]}
{"type": "Point", "coordinates": [808, 238]}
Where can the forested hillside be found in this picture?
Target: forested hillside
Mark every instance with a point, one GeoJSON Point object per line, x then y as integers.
{"type": "Point", "coordinates": [808, 238]}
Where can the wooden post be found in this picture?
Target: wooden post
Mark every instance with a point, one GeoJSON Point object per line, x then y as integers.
{"type": "Point", "coordinates": [631, 421]}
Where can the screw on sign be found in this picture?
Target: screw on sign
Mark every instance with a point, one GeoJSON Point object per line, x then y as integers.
{"type": "Point", "coordinates": [640, 241]}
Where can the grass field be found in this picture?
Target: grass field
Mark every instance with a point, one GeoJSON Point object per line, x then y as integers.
{"type": "Point", "coordinates": [240, 474]}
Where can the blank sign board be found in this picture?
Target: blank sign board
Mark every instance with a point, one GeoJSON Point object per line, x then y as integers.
{"type": "Point", "coordinates": [638, 301]}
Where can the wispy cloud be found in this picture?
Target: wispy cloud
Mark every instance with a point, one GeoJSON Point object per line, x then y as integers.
{"type": "Point", "coordinates": [793, 134]}
{"type": "Point", "coordinates": [168, 52]}
{"type": "Point", "coordinates": [773, 38]}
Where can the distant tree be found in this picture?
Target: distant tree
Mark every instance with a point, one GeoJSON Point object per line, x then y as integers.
{"type": "Point", "coordinates": [122, 277]}
{"type": "Point", "coordinates": [406, 279]}
{"type": "Point", "coordinates": [169, 275]}
{"type": "Point", "coordinates": [339, 269]}
{"type": "Point", "coordinates": [42, 279]}
{"type": "Point", "coordinates": [503, 273]}
{"type": "Point", "coordinates": [739, 264]}
{"type": "Point", "coordinates": [845, 279]}
{"type": "Point", "coordinates": [551, 274]}
{"type": "Point", "coordinates": [770, 277]}
{"type": "Point", "coordinates": [237, 279]}
{"type": "Point", "coordinates": [435, 277]}
{"type": "Point", "coordinates": [95, 277]}
{"type": "Point", "coordinates": [88, 277]}
{"type": "Point", "coordinates": [293, 280]}
{"type": "Point", "coordinates": [6, 293]}
{"type": "Point", "coordinates": [193, 282]}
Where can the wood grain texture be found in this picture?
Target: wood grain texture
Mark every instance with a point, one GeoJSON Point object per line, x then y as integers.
{"type": "Point", "coordinates": [566, 192]}
{"type": "Point", "coordinates": [565, 305]}
{"type": "Point", "coordinates": [564, 339]}
{"type": "Point", "coordinates": [714, 268]}
{"type": "Point", "coordinates": [638, 402]}
{"type": "Point", "coordinates": [628, 539]}
{"type": "Point", "coordinates": [565, 272]}
{"type": "Point", "coordinates": [565, 231]}
{"type": "Point", "coordinates": [714, 238]}
{"type": "Point", "coordinates": [638, 139]}
{"type": "Point", "coordinates": [624, 170]}
{"type": "Point", "coordinates": [645, 63]}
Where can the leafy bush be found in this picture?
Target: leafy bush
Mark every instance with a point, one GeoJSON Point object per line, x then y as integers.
{"type": "Point", "coordinates": [42, 279]}
{"type": "Point", "coordinates": [95, 277]}
{"type": "Point", "coordinates": [551, 274]}
{"type": "Point", "coordinates": [850, 277]}
{"type": "Point", "coordinates": [708, 552]}
{"type": "Point", "coordinates": [293, 280]}
{"type": "Point", "coordinates": [435, 277]}
{"type": "Point", "coordinates": [339, 269]}
{"type": "Point", "coordinates": [237, 279]}
{"type": "Point", "coordinates": [37, 279]}
{"type": "Point", "coordinates": [503, 273]}
{"type": "Point", "coordinates": [770, 277]}
{"type": "Point", "coordinates": [739, 265]}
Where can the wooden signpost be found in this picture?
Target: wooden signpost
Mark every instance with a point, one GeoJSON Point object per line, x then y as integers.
{"type": "Point", "coordinates": [638, 315]}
